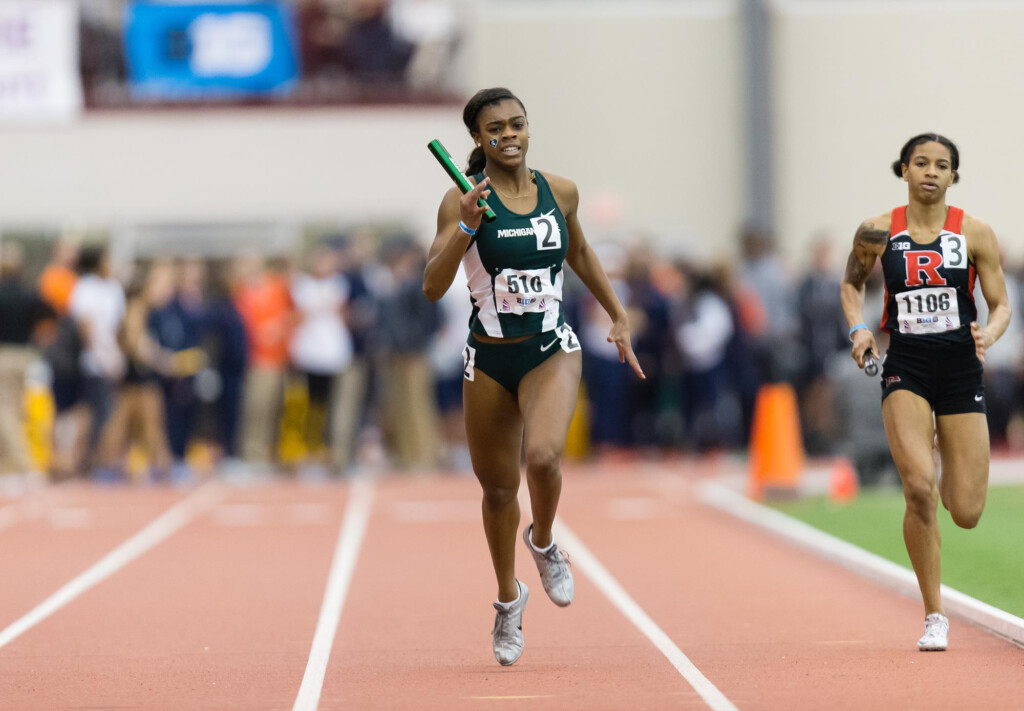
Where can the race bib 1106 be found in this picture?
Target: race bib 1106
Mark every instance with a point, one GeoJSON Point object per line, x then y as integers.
{"type": "Point", "coordinates": [931, 310]}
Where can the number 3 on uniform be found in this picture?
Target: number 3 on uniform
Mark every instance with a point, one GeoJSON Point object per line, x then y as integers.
{"type": "Point", "coordinates": [549, 236]}
{"type": "Point", "coordinates": [954, 252]}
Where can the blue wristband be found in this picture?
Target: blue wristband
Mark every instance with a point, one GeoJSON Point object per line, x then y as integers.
{"type": "Point", "coordinates": [857, 327]}
{"type": "Point", "coordinates": [467, 230]}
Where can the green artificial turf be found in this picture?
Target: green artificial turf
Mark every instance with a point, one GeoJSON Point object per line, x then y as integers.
{"type": "Point", "coordinates": [986, 562]}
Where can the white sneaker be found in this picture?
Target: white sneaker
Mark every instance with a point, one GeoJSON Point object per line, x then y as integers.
{"type": "Point", "coordinates": [936, 633]}
{"type": "Point", "coordinates": [508, 628]}
{"type": "Point", "coordinates": [554, 570]}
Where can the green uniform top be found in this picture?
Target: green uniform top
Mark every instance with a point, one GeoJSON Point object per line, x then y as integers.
{"type": "Point", "coordinates": [514, 267]}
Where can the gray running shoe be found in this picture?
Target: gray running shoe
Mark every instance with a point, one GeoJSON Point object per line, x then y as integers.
{"type": "Point", "coordinates": [508, 629]}
{"type": "Point", "coordinates": [936, 633]}
{"type": "Point", "coordinates": [554, 570]}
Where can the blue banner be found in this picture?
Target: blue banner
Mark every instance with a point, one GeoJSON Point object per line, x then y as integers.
{"type": "Point", "coordinates": [209, 50]}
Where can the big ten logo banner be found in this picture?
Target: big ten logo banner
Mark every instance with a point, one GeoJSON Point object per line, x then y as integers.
{"type": "Point", "coordinates": [39, 78]}
{"type": "Point", "coordinates": [192, 51]}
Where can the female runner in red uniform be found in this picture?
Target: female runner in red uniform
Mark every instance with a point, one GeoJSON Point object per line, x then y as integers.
{"type": "Point", "coordinates": [931, 383]}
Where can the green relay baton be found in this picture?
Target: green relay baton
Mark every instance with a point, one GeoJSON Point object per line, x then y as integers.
{"type": "Point", "coordinates": [460, 179]}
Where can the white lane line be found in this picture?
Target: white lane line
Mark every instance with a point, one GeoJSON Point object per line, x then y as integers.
{"type": "Point", "coordinates": [157, 531]}
{"type": "Point", "coordinates": [590, 566]}
{"type": "Point", "coordinates": [346, 553]}
{"type": "Point", "coordinates": [859, 560]}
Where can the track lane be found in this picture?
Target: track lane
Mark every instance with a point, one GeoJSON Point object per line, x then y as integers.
{"type": "Point", "coordinates": [58, 533]}
{"type": "Point", "coordinates": [772, 626]}
{"type": "Point", "coordinates": [219, 616]}
{"type": "Point", "coordinates": [415, 632]}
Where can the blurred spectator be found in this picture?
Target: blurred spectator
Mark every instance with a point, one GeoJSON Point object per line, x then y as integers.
{"type": "Point", "coordinates": [823, 333]}
{"type": "Point", "coordinates": [264, 303]}
{"type": "Point", "coordinates": [371, 51]}
{"type": "Point", "coordinates": [649, 322]}
{"type": "Point", "coordinates": [225, 342]}
{"type": "Point", "coordinates": [178, 327]}
{"type": "Point", "coordinates": [406, 325]}
{"type": "Point", "coordinates": [606, 379]}
{"type": "Point", "coordinates": [431, 27]}
{"type": "Point", "coordinates": [58, 278]}
{"type": "Point", "coordinates": [351, 412]}
{"type": "Point", "coordinates": [446, 358]}
{"type": "Point", "coordinates": [703, 332]}
{"type": "Point", "coordinates": [98, 306]}
{"type": "Point", "coordinates": [321, 347]}
{"type": "Point", "coordinates": [140, 402]}
{"type": "Point", "coordinates": [21, 310]}
{"type": "Point", "coordinates": [766, 275]}
{"type": "Point", "coordinates": [101, 50]}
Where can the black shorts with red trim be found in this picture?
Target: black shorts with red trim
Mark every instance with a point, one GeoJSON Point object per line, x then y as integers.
{"type": "Point", "coordinates": [948, 376]}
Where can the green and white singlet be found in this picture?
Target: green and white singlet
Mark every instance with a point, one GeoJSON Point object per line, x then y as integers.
{"type": "Point", "coordinates": [514, 268]}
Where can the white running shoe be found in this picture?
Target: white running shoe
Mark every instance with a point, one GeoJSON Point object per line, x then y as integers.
{"type": "Point", "coordinates": [554, 570]}
{"type": "Point", "coordinates": [936, 633]}
{"type": "Point", "coordinates": [508, 628]}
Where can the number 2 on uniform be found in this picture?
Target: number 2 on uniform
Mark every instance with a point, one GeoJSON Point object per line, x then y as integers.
{"type": "Point", "coordinates": [548, 234]}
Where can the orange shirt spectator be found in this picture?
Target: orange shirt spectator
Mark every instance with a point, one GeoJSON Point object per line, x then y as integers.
{"type": "Point", "coordinates": [55, 286]}
{"type": "Point", "coordinates": [265, 307]}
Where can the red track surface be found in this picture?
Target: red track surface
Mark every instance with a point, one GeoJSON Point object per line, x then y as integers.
{"type": "Point", "coordinates": [221, 615]}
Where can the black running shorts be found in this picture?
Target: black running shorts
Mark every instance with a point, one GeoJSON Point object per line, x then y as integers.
{"type": "Point", "coordinates": [947, 376]}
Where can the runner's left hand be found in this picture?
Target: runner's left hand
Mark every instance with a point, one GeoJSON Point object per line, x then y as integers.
{"type": "Point", "coordinates": [619, 335]}
{"type": "Point", "coordinates": [979, 340]}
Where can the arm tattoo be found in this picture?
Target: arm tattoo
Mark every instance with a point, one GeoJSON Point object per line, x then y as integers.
{"type": "Point", "coordinates": [867, 237]}
{"type": "Point", "coordinates": [856, 274]}
{"type": "Point", "coordinates": [869, 234]}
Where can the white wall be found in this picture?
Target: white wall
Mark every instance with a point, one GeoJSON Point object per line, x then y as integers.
{"type": "Point", "coordinates": [639, 102]}
{"type": "Point", "coordinates": [242, 165]}
{"type": "Point", "coordinates": [856, 78]}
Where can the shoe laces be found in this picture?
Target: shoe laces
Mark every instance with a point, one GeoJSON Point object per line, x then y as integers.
{"type": "Point", "coordinates": [556, 558]}
{"type": "Point", "coordinates": [935, 626]}
{"type": "Point", "coordinates": [504, 628]}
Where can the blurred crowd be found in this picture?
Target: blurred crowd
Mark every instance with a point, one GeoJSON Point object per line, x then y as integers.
{"type": "Point", "coordinates": [348, 50]}
{"type": "Point", "coordinates": [334, 361]}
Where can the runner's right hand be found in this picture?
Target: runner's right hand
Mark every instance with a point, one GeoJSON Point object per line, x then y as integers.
{"type": "Point", "coordinates": [473, 214]}
{"type": "Point", "coordinates": [863, 343]}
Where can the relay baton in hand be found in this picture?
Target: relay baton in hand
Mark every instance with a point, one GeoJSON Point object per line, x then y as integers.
{"type": "Point", "coordinates": [460, 179]}
{"type": "Point", "coordinates": [872, 364]}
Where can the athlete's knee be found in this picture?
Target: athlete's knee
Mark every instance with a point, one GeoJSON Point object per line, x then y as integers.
{"type": "Point", "coordinates": [499, 497]}
{"type": "Point", "coordinates": [921, 497]}
{"type": "Point", "coordinates": [967, 516]}
{"type": "Point", "coordinates": [543, 460]}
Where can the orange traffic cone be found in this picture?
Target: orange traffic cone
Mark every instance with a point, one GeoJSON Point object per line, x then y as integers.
{"type": "Point", "coordinates": [776, 448]}
{"type": "Point", "coordinates": [843, 485]}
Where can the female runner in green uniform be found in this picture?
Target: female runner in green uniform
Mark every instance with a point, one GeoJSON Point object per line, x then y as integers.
{"type": "Point", "coordinates": [522, 361]}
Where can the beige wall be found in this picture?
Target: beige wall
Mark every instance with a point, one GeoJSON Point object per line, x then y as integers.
{"type": "Point", "coordinates": [855, 79]}
{"type": "Point", "coordinates": [639, 102]}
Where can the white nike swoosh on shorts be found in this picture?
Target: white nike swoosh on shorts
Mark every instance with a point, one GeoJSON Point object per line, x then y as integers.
{"type": "Point", "coordinates": [977, 398]}
{"type": "Point", "coordinates": [544, 348]}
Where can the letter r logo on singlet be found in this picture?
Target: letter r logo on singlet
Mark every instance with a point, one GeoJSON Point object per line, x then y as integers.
{"type": "Point", "coordinates": [926, 263]}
